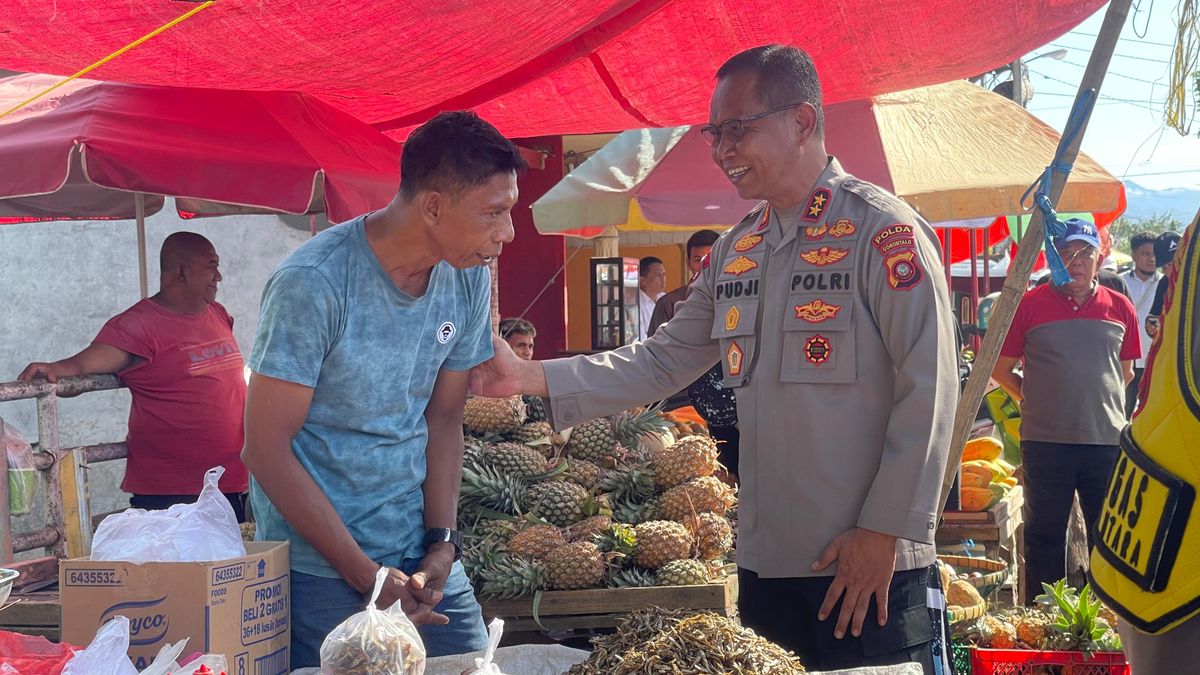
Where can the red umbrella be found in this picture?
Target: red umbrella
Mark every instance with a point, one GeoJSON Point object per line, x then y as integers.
{"type": "Point", "coordinates": [101, 150]}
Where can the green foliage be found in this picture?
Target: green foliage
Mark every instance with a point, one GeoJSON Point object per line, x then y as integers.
{"type": "Point", "coordinates": [1124, 228]}
{"type": "Point", "coordinates": [1077, 624]}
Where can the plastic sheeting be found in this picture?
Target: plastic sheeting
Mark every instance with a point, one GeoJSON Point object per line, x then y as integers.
{"type": "Point", "coordinates": [535, 67]}
{"type": "Point", "coordinates": [83, 149]}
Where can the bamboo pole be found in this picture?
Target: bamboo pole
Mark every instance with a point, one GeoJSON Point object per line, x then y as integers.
{"type": "Point", "coordinates": [1027, 251]}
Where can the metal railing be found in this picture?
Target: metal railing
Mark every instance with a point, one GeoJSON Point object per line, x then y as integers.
{"type": "Point", "coordinates": [64, 471]}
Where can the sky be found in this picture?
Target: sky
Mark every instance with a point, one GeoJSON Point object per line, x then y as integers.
{"type": "Point", "coordinates": [1127, 133]}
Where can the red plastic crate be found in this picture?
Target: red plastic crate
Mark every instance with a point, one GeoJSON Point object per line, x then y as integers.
{"type": "Point", "coordinates": [1030, 662]}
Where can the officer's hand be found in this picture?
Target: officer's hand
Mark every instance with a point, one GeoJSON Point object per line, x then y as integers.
{"type": "Point", "coordinates": [501, 376]}
{"type": "Point", "coordinates": [866, 560]}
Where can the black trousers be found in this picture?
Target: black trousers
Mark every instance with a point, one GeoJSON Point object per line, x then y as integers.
{"type": "Point", "coordinates": [1054, 472]}
{"type": "Point", "coordinates": [162, 502]}
{"type": "Point", "coordinates": [784, 611]}
{"type": "Point", "coordinates": [1131, 392]}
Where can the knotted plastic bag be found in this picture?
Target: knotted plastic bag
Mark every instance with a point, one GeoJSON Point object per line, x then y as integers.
{"type": "Point", "coordinates": [486, 665]}
{"type": "Point", "coordinates": [107, 655]}
{"type": "Point", "coordinates": [374, 641]}
{"type": "Point", "coordinates": [205, 531]}
{"type": "Point", "coordinates": [23, 476]}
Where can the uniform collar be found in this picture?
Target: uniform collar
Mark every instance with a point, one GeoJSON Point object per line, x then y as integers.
{"type": "Point", "coordinates": [812, 211]}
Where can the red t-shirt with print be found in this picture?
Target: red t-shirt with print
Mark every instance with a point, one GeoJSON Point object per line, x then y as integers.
{"type": "Point", "coordinates": [189, 394]}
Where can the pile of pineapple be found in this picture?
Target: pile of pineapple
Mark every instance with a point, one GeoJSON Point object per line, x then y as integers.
{"type": "Point", "coordinates": [1062, 619]}
{"type": "Point", "coordinates": [615, 502]}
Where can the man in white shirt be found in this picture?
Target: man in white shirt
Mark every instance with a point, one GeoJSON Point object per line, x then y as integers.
{"type": "Point", "coordinates": [652, 281]}
{"type": "Point", "coordinates": [1142, 281]}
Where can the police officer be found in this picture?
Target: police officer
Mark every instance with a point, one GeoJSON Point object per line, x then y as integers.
{"type": "Point", "coordinates": [829, 312]}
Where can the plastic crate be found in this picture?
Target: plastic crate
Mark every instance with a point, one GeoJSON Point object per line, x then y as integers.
{"type": "Point", "coordinates": [960, 658]}
{"type": "Point", "coordinates": [1030, 662]}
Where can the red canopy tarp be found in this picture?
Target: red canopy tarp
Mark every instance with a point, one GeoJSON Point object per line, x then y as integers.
{"type": "Point", "coordinates": [533, 67]}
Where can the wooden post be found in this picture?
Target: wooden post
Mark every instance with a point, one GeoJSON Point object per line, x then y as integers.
{"type": "Point", "coordinates": [494, 267]}
{"type": "Point", "coordinates": [76, 509]}
{"type": "Point", "coordinates": [1027, 252]}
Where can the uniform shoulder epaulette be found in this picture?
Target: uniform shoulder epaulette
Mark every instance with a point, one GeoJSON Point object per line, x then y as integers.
{"type": "Point", "coordinates": [750, 220]}
{"type": "Point", "coordinates": [873, 195]}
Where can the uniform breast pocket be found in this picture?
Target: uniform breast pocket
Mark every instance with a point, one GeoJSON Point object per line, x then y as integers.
{"type": "Point", "coordinates": [819, 340]}
{"type": "Point", "coordinates": [734, 325]}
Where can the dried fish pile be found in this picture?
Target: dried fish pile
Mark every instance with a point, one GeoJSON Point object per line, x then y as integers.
{"type": "Point", "coordinates": [654, 640]}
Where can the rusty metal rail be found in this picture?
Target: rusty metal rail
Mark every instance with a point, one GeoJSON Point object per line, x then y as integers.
{"type": "Point", "coordinates": [68, 529]}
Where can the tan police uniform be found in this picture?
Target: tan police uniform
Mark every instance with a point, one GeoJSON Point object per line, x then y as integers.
{"type": "Point", "coordinates": [833, 323]}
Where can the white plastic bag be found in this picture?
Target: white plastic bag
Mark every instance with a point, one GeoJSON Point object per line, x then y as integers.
{"type": "Point", "coordinates": [486, 665]}
{"type": "Point", "coordinates": [374, 642]}
{"type": "Point", "coordinates": [202, 532]}
{"type": "Point", "coordinates": [108, 654]}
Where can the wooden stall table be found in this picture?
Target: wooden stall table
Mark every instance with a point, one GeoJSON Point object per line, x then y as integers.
{"type": "Point", "coordinates": [997, 529]}
{"type": "Point", "coordinates": [605, 607]}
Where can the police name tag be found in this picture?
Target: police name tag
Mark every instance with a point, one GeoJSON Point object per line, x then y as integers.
{"type": "Point", "coordinates": [1144, 515]}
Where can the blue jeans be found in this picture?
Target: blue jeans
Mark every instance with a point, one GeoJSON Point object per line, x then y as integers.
{"type": "Point", "coordinates": [319, 604]}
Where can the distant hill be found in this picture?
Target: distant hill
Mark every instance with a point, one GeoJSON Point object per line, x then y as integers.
{"type": "Point", "coordinates": [1181, 203]}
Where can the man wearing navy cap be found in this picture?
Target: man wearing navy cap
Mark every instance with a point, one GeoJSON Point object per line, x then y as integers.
{"type": "Point", "coordinates": [1078, 342]}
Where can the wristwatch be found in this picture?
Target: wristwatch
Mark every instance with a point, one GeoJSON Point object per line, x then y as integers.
{"type": "Point", "coordinates": [442, 535]}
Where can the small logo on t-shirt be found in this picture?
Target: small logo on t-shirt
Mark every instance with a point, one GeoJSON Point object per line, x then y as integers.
{"type": "Point", "coordinates": [445, 332]}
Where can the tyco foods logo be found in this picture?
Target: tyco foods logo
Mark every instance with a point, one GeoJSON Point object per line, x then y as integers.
{"type": "Point", "coordinates": [147, 624]}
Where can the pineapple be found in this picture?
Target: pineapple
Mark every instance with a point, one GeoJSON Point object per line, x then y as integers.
{"type": "Point", "coordinates": [629, 483]}
{"type": "Point", "coordinates": [630, 426]}
{"type": "Point", "coordinates": [535, 409]}
{"type": "Point", "coordinates": [691, 457]}
{"type": "Point", "coordinates": [661, 541]}
{"type": "Point", "coordinates": [996, 633]}
{"type": "Point", "coordinates": [598, 440]}
{"type": "Point", "coordinates": [588, 528]}
{"type": "Point", "coordinates": [485, 487]}
{"type": "Point", "coordinates": [683, 573]}
{"type": "Point", "coordinates": [512, 577]}
{"type": "Point", "coordinates": [530, 432]}
{"type": "Point", "coordinates": [593, 441]}
{"type": "Point", "coordinates": [713, 533]}
{"type": "Point", "coordinates": [634, 577]}
{"type": "Point", "coordinates": [619, 540]}
{"type": "Point", "coordinates": [1032, 628]}
{"type": "Point", "coordinates": [497, 529]}
{"type": "Point", "coordinates": [534, 542]}
{"type": "Point", "coordinates": [699, 495]}
{"type": "Point", "coordinates": [483, 416]}
{"type": "Point", "coordinates": [558, 502]}
{"type": "Point", "coordinates": [515, 459]}
{"type": "Point", "coordinates": [583, 473]}
{"type": "Point", "coordinates": [577, 565]}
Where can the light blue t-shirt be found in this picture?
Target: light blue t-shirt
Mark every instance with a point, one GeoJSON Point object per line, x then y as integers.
{"type": "Point", "coordinates": [333, 320]}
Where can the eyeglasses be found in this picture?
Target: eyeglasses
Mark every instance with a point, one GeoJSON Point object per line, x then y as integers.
{"type": "Point", "coordinates": [735, 129]}
{"type": "Point", "coordinates": [1085, 253]}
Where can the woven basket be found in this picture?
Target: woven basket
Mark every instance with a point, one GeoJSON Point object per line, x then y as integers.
{"type": "Point", "coordinates": [994, 572]}
{"type": "Point", "coordinates": [971, 613]}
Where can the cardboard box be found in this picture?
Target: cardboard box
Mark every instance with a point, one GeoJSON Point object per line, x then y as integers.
{"type": "Point", "coordinates": [240, 607]}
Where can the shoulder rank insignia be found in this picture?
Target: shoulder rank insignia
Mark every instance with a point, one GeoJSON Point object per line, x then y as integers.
{"type": "Point", "coordinates": [733, 359]}
{"type": "Point", "coordinates": [842, 228]}
{"type": "Point", "coordinates": [747, 242]}
{"type": "Point", "coordinates": [732, 318]}
{"type": "Point", "coordinates": [817, 349]}
{"type": "Point", "coordinates": [824, 256]}
{"type": "Point", "coordinates": [817, 201]}
{"type": "Point", "coordinates": [740, 265]}
{"type": "Point", "coordinates": [904, 271]}
{"type": "Point", "coordinates": [817, 311]}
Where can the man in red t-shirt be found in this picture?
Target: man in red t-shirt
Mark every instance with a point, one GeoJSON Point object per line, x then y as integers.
{"type": "Point", "coordinates": [177, 354]}
{"type": "Point", "coordinates": [1078, 342]}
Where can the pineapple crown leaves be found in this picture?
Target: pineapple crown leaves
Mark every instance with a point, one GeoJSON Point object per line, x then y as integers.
{"type": "Point", "coordinates": [1077, 620]}
{"type": "Point", "coordinates": [629, 427]}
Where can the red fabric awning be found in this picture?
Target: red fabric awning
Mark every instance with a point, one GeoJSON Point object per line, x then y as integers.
{"type": "Point", "coordinates": [533, 67]}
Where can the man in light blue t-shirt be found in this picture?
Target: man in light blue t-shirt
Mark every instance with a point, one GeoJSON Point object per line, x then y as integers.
{"type": "Point", "coordinates": [354, 410]}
